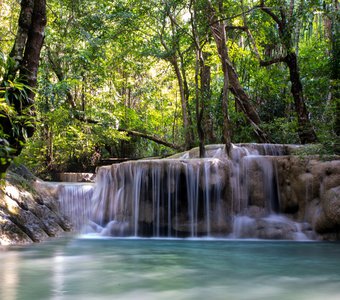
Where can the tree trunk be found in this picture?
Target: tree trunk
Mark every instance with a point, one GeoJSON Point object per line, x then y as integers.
{"type": "Point", "coordinates": [56, 67]}
{"type": "Point", "coordinates": [244, 102]}
{"type": "Point", "coordinates": [17, 53]}
{"type": "Point", "coordinates": [152, 138]}
{"type": "Point", "coordinates": [285, 29]}
{"type": "Point", "coordinates": [184, 104]}
{"type": "Point", "coordinates": [231, 82]}
{"type": "Point", "coordinates": [26, 53]}
{"type": "Point", "coordinates": [199, 80]}
{"type": "Point", "coordinates": [208, 125]}
{"type": "Point", "coordinates": [48, 139]}
{"type": "Point", "coordinates": [219, 34]}
{"type": "Point", "coordinates": [305, 129]}
{"type": "Point", "coordinates": [30, 63]}
{"type": "Point", "coordinates": [186, 99]}
{"type": "Point", "coordinates": [335, 76]}
{"type": "Point", "coordinates": [181, 78]}
{"type": "Point", "coordinates": [199, 101]}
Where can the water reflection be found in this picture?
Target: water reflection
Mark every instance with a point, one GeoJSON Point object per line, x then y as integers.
{"type": "Point", "coordinates": [9, 275]}
{"type": "Point", "coordinates": [58, 275]}
{"type": "Point", "coordinates": [171, 269]}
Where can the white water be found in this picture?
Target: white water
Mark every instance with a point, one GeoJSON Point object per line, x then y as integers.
{"type": "Point", "coordinates": [75, 202]}
{"type": "Point", "coordinates": [186, 196]}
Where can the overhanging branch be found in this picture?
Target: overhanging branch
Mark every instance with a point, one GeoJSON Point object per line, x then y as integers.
{"type": "Point", "coordinates": [243, 28]}
{"type": "Point", "coordinates": [264, 63]}
{"type": "Point", "coordinates": [269, 12]}
{"type": "Point", "coordinates": [151, 138]}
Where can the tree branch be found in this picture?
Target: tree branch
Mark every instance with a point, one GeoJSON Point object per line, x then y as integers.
{"type": "Point", "coordinates": [243, 28]}
{"type": "Point", "coordinates": [250, 36]}
{"type": "Point", "coordinates": [156, 139]}
{"type": "Point", "coordinates": [55, 65]}
{"type": "Point", "coordinates": [151, 138]}
{"type": "Point", "coordinates": [81, 117]}
{"type": "Point", "coordinates": [270, 13]}
{"type": "Point", "coordinates": [264, 63]}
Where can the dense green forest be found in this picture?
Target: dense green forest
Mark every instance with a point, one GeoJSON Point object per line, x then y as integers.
{"type": "Point", "coordinates": [131, 78]}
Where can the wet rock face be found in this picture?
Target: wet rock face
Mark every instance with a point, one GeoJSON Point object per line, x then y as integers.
{"type": "Point", "coordinates": [327, 218]}
{"type": "Point", "coordinates": [28, 216]}
{"type": "Point", "coordinates": [309, 189]}
{"type": "Point", "coordinates": [10, 233]}
{"type": "Point", "coordinates": [331, 205]}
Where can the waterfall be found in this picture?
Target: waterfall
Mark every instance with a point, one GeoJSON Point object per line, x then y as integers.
{"type": "Point", "coordinates": [75, 202]}
{"type": "Point", "coordinates": [186, 196]}
{"type": "Point", "coordinates": [160, 197]}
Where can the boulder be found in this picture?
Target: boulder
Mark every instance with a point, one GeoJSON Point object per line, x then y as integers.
{"type": "Point", "coordinates": [331, 205]}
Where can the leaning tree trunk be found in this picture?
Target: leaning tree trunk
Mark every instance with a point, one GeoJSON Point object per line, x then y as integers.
{"type": "Point", "coordinates": [244, 102]}
{"type": "Point", "coordinates": [25, 53]}
{"type": "Point", "coordinates": [219, 34]}
{"type": "Point", "coordinates": [231, 81]}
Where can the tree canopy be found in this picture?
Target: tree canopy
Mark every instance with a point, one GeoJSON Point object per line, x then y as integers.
{"type": "Point", "coordinates": [131, 78]}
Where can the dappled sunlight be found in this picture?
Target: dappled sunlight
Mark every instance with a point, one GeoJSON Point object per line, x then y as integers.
{"type": "Point", "coordinates": [12, 191]}
{"type": "Point", "coordinates": [12, 205]}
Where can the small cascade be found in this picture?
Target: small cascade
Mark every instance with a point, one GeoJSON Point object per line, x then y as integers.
{"type": "Point", "coordinates": [270, 227]}
{"type": "Point", "coordinates": [253, 180]}
{"type": "Point", "coordinates": [171, 198]}
{"type": "Point", "coordinates": [75, 203]}
{"type": "Point", "coordinates": [186, 196]}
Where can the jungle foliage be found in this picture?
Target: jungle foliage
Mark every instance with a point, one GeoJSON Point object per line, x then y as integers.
{"type": "Point", "coordinates": [132, 78]}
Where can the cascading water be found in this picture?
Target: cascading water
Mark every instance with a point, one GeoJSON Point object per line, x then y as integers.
{"type": "Point", "coordinates": [159, 197]}
{"type": "Point", "coordinates": [185, 196]}
{"type": "Point", "coordinates": [75, 202]}
{"type": "Point", "coordinates": [256, 196]}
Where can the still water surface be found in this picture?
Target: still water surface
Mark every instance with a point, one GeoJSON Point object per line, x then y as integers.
{"type": "Point", "coordinates": [88, 268]}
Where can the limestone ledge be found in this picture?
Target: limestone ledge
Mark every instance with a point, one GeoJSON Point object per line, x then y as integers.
{"type": "Point", "coordinates": [309, 190]}
{"type": "Point", "coordinates": [28, 210]}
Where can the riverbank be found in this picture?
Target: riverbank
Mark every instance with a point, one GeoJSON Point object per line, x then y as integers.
{"type": "Point", "coordinates": [28, 210]}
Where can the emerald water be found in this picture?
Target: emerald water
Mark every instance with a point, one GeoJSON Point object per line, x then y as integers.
{"type": "Point", "coordinates": [110, 268]}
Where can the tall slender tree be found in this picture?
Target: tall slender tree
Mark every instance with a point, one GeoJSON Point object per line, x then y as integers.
{"type": "Point", "coordinates": [285, 15]}
{"type": "Point", "coordinates": [176, 58]}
